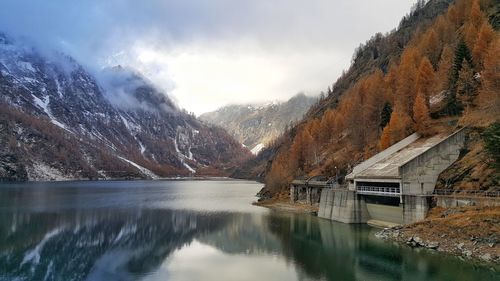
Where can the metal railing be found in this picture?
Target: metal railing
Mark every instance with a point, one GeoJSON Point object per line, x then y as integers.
{"type": "Point", "coordinates": [475, 193]}
{"type": "Point", "coordinates": [378, 190]}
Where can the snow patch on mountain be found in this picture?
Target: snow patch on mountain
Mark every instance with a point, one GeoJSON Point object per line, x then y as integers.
{"type": "Point", "coordinates": [143, 170]}
{"type": "Point", "coordinates": [41, 171]}
{"type": "Point", "coordinates": [257, 148]}
{"type": "Point", "coordinates": [182, 157]}
{"type": "Point", "coordinates": [141, 146]}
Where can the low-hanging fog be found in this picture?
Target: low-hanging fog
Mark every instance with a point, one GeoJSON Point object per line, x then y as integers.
{"type": "Point", "coordinates": [206, 54]}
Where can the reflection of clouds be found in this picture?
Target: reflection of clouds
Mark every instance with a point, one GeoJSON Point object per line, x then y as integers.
{"type": "Point", "coordinates": [198, 261]}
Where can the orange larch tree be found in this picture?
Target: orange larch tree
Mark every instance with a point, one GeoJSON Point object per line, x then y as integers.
{"type": "Point", "coordinates": [426, 79]}
{"type": "Point", "coordinates": [485, 36]}
{"type": "Point", "coordinates": [489, 95]}
{"type": "Point", "coordinates": [421, 114]}
{"type": "Point", "coordinates": [444, 68]}
{"type": "Point", "coordinates": [476, 16]}
{"type": "Point", "coordinates": [405, 84]}
{"type": "Point", "coordinates": [430, 45]}
{"type": "Point", "coordinates": [385, 139]}
{"type": "Point", "coordinates": [400, 125]}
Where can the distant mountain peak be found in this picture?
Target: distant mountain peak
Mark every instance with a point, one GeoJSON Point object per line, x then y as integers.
{"type": "Point", "coordinates": [255, 125]}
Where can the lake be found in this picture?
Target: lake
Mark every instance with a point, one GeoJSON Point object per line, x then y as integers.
{"type": "Point", "coordinates": [193, 230]}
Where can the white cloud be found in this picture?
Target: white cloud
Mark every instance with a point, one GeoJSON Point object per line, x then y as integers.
{"type": "Point", "coordinates": [203, 79]}
{"type": "Point", "coordinates": [206, 54]}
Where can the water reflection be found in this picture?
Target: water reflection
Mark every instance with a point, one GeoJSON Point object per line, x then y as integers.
{"type": "Point", "coordinates": [120, 237]}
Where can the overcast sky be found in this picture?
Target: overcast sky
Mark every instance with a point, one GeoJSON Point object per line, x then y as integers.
{"type": "Point", "coordinates": [209, 53]}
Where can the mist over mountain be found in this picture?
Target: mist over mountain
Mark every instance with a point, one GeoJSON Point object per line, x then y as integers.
{"type": "Point", "coordinates": [60, 121]}
{"type": "Point", "coordinates": [256, 125]}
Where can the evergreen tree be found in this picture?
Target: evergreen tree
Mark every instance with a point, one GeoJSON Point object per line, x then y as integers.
{"type": "Point", "coordinates": [462, 53]}
{"type": "Point", "coordinates": [491, 137]}
{"type": "Point", "coordinates": [385, 115]}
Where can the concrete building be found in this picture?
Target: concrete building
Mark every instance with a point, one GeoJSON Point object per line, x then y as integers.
{"type": "Point", "coordinates": [394, 185]}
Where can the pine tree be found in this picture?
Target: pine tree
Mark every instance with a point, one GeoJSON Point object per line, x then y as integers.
{"type": "Point", "coordinates": [462, 53]}
{"type": "Point", "coordinates": [491, 137]}
{"type": "Point", "coordinates": [421, 114]}
{"type": "Point", "coordinates": [385, 115]}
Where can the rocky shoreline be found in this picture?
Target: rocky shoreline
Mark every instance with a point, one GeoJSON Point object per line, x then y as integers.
{"type": "Point", "coordinates": [288, 207]}
{"type": "Point", "coordinates": [469, 233]}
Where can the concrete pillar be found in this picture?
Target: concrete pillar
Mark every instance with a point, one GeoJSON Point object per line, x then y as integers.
{"type": "Point", "coordinates": [343, 205]}
{"type": "Point", "coordinates": [415, 208]}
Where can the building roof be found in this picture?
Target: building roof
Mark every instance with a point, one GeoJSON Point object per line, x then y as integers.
{"type": "Point", "coordinates": [389, 160]}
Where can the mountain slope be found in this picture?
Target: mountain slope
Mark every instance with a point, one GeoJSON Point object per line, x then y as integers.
{"type": "Point", "coordinates": [58, 121]}
{"type": "Point", "coordinates": [437, 71]}
{"type": "Point", "coordinates": [256, 126]}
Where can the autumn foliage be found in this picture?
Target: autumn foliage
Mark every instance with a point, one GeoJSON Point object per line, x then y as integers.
{"type": "Point", "coordinates": [421, 82]}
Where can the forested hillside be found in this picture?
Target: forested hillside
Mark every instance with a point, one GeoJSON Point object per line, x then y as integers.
{"type": "Point", "coordinates": [438, 71]}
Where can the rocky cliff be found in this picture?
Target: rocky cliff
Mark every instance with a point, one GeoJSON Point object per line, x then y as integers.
{"type": "Point", "coordinates": [256, 126]}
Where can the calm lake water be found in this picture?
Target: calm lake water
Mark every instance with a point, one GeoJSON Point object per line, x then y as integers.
{"type": "Point", "coordinates": [192, 230]}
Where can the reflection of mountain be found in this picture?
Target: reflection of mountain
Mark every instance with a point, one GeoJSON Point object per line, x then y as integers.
{"type": "Point", "coordinates": [119, 245]}
{"type": "Point", "coordinates": [130, 244]}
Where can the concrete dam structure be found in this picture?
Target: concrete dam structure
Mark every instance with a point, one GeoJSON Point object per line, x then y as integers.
{"type": "Point", "coordinates": [395, 185]}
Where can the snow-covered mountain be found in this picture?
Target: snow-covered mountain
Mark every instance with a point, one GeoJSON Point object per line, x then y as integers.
{"type": "Point", "coordinates": [57, 120]}
{"type": "Point", "coordinates": [255, 125]}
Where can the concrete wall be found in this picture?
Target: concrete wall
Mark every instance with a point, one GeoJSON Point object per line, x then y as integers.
{"type": "Point", "coordinates": [459, 201]}
{"type": "Point", "coordinates": [419, 175]}
{"type": "Point", "coordinates": [343, 206]}
{"type": "Point", "coordinates": [313, 195]}
{"type": "Point", "coordinates": [307, 194]}
{"type": "Point", "coordinates": [415, 208]}
{"type": "Point", "coordinates": [385, 213]}
{"type": "Point", "coordinates": [293, 193]}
